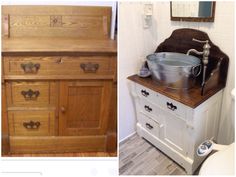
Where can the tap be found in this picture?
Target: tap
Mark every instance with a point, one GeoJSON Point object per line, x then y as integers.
{"type": "Point", "coordinates": [205, 53]}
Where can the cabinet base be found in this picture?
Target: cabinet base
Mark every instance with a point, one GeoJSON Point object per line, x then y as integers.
{"type": "Point", "coordinates": [54, 144]}
{"type": "Point", "coordinates": [188, 164]}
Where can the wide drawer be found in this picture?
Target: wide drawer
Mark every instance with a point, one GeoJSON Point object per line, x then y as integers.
{"type": "Point", "coordinates": [150, 125]}
{"type": "Point", "coordinates": [66, 65]}
{"type": "Point", "coordinates": [161, 101]}
{"type": "Point", "coordinates": [31, 123]}
{"type": "Point", "coordinates": [31, 93]}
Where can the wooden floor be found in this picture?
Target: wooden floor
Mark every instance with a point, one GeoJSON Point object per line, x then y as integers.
{"type": "Point", "coordinates": [138, 157]}
{"type": "Point", "coordinates": [88, 154]}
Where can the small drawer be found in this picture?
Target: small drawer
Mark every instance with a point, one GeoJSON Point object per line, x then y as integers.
{"type": "Point", "coordinates": [146, 93]}
{"type": "Point", "coordinates": [150, 125]}
{"type": "Point", "coordinates": [31, 93]}
{"type": "Point", "coordinates": [58, 66]}
{"type": "Point", "coordinates": [172, 106]}
{"type": "Point", "coordinates": [31, 123]}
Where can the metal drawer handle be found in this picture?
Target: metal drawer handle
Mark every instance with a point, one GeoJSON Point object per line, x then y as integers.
{"type": "Point", "coordinates": [147, 108]}
{"type": "Point", "coordinates": [31, 125]}
{"type": "Point", "coordinates": [89, 67]}
{"type": "Point", "coordinates": [30, 67]}
{"type": "Point", "coordinates": [144, 93]}
{"type": "Point", "coordinates": [171, 106]}
{"type": "Point", "coordinates": [30, 94]}
{"type": "Point", "coordinates": [149, 126]}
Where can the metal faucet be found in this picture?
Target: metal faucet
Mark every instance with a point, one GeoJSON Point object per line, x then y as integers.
{"type": "Point", "coordinates": [205, 53]}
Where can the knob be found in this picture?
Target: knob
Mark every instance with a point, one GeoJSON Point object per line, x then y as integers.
{"type": "Point", "coordinates": [63, 109]}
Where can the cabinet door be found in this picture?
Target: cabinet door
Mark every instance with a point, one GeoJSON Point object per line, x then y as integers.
{"type": "Point", "coordinates": [84, 107]}
{"type": "Point", "coordinates": [173, 132]}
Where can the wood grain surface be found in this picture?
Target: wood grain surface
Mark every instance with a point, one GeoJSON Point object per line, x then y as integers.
{"type": "Point", "coordinates": [58, 21]}
{"type": "Point", "coordinates": [57, 46]}
{"type": "Point", "coordinates": [191, 97]}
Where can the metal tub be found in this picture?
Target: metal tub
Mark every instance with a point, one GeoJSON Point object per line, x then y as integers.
{"type": "Point", "coordinates": [174, 70]}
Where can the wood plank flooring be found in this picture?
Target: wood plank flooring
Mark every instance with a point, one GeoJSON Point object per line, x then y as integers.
{"type": "Point", "coordinates": [88, 154]}
{"type": "Point", "coordinates": [138, 157]}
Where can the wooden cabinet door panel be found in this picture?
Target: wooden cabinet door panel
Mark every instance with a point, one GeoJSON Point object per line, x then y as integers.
{"type": "Point", "coordinates": [84, 107]}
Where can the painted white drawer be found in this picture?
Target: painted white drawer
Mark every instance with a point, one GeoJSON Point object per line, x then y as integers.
{"type": "Point", "coordinates": [172, 106]}
{"type": "Point", "coordinates": [147, 93]}
{"type": "Point", "coordinates": [150, 109]}
{"type": "Point", "coordinates": [150, 125]}
{"type": "Point", "coordinates": [167, 104]}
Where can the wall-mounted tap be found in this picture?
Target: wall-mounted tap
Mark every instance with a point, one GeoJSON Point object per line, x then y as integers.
{"type": "Point", "coordinates": [205, 53]}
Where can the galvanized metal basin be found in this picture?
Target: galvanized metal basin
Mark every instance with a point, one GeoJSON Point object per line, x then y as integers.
{"type": "Point", "coordinates": [174, 70]}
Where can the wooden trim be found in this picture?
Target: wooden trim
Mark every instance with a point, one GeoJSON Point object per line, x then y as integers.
{"type": "Point", "coordinates": [5, 131]}
{"type": "Point", "coordinates": [57, 77]}
{"type": "Point", "coordinates": [57, 144]}
{"type": "Point", "coordinates": [195, 19]}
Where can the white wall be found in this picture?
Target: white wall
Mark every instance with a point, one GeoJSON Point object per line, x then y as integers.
{"type": "Point", "coordinates": [135, 43]}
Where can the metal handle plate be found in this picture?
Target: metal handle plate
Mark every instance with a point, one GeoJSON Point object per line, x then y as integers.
{"type": "Point", "coordinates": [31, 125]}
{"type": "Point", "coordinates": [149, 126]}
{"type": "Point", "coordinates": [147, 108]}
{"type": "Point", "coordinates": [30, 94]}
{"type": "Point", "coordinates": [171, 106]}
{"type": "Point", "coordinates": [30, 68]}
{"type": "Point", "coordinates": [145, 93]}
{"type": "Point", "coordinates": [89, 67]}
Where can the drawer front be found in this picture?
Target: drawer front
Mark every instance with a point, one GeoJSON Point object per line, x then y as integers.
{"type": "Point", "coordinates": [172, 106]}
{"type": "Point", "coordinates": [31, 93]}
{"type": "Point", "coordinates": [161, 101]}
{"type": "Point", "coordinates": [58, 65]}
{"type": "Point", "coordinates": [31, 123]}
{"type": "Point", "coordinates": [150, 109]}
{"type": "Point", "coordinates": [148, 124]}
{"type": "Point", "coordinates": [146, 93]}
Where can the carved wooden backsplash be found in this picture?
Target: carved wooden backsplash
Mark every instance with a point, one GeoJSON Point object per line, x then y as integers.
{"type": "Point", "coordinates": [56, 21]}
{"type": "Point", "coordinates": [217, 67]}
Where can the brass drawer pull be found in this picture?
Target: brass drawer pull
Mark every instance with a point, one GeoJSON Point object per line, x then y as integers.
{"type": "Point", "coordinates": [30, 67]}
{"type": "Point", "coordinates": [89, 67]}
{"type": "Point", "coordinates": [31, 125]}
{"type": "Point", "coordinates": [30, 94]}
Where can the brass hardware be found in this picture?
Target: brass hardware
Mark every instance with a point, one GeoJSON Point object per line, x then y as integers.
{"type": "Point", "coordinates": [31, 125]}
{"type": "Point", "coordinates": [89, 67]}
{"type": "Point", "coordinates": [63, 109]}
{"type": "Point", "coordinates": [30, 94]}
{"type": "Point", "coordinates": [30, 68]}
{"type": "Point", "coordinates": [59, 61]}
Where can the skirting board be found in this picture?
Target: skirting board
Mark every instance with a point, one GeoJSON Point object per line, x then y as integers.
{"type": "Point", "coordinates": [122, 140]}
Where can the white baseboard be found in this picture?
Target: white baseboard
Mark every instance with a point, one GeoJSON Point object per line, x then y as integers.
{"type": "Point", "coordinates": [127, 137]}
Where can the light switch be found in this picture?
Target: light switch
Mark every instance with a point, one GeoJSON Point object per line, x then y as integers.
{"type": "Point", "coordinates": [147, 15]}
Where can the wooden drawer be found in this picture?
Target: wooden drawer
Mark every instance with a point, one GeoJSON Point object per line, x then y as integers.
{"type": "Point", "coordinates": [31, 123]}
{"type": "Point", "coordinates": [59, 66]}
{"type": "Point", "coordinates": [31, 93]}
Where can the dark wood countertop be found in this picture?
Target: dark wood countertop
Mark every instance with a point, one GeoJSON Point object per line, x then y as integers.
{"type": "Point", "coordinates": [191, 97]}
{"type": "Point", "coordinates": [57, 46]}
